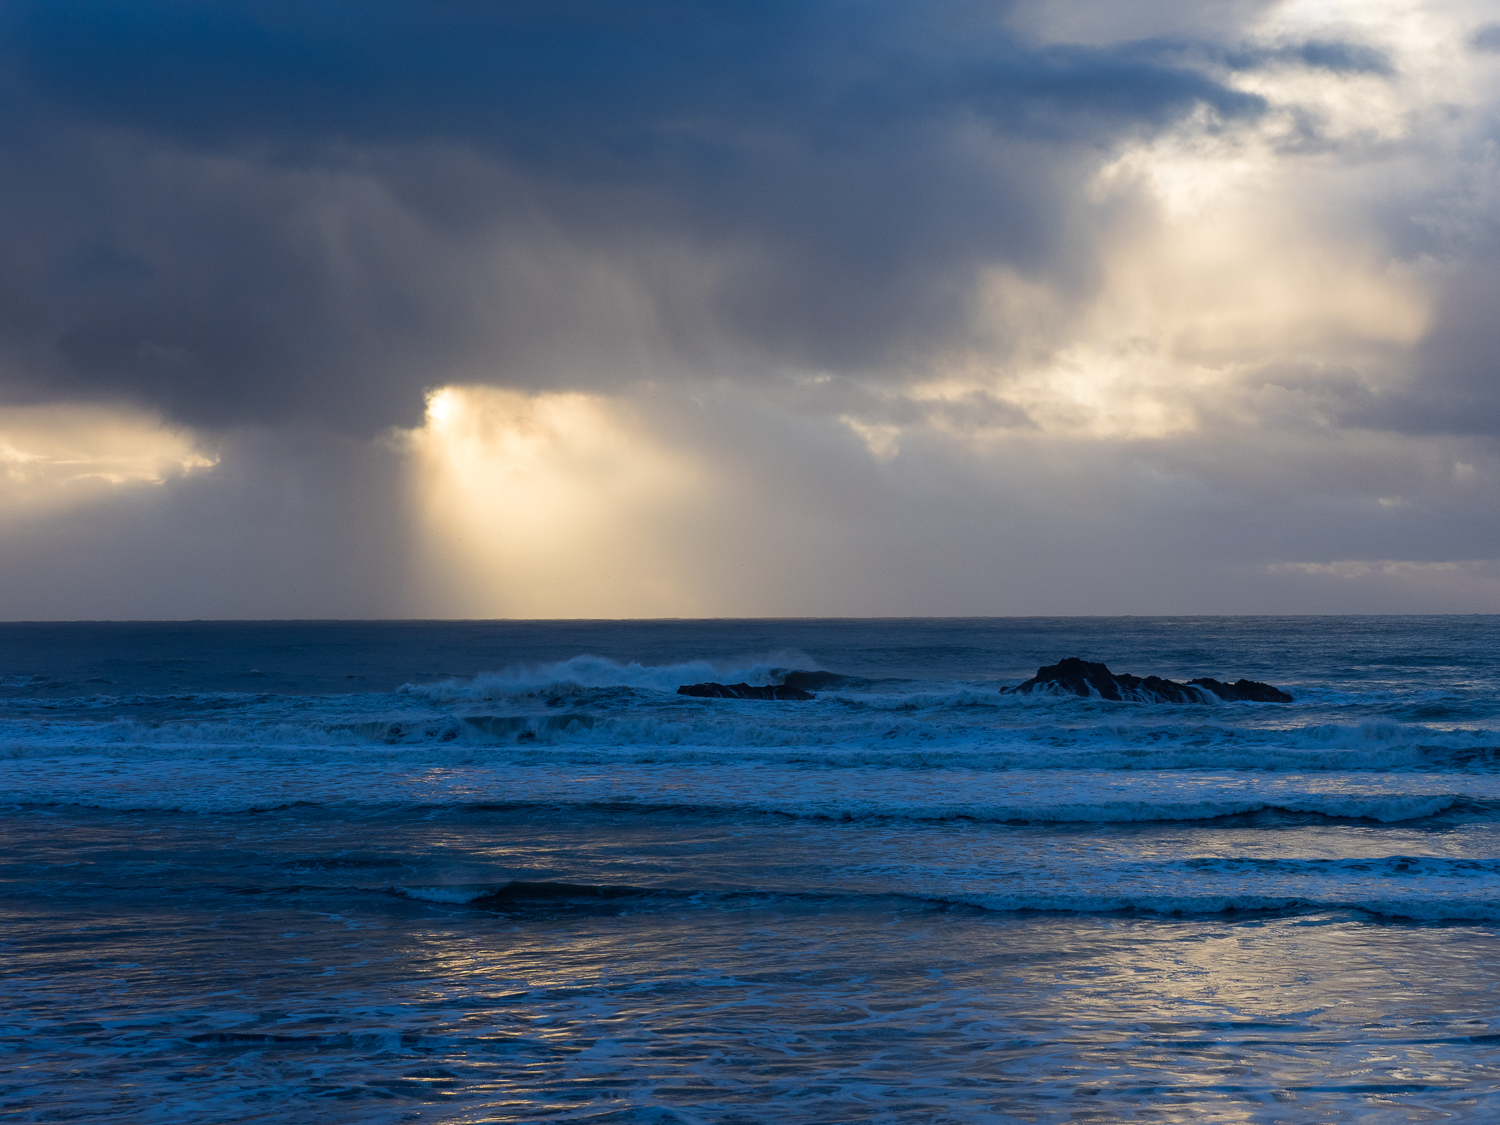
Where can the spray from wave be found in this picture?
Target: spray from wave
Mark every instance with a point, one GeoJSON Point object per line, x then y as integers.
{"type": "Point", "coordinates": [601, 672]}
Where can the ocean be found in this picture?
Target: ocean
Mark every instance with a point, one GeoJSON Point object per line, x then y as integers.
{"type": "Point", "coordinates": [501, 871]}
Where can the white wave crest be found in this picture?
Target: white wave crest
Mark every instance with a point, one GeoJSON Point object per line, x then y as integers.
{"type": "Point", "coordinates": [602, 672]}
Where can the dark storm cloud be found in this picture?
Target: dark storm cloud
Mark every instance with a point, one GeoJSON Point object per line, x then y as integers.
{"type": "Point", "coordinates": [601, 84]}
{"type": "Point", "coordinates": [261, 212]}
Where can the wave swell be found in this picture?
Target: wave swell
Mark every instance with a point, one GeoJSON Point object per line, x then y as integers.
{"type": "Point", "coordinates": [520, 896]}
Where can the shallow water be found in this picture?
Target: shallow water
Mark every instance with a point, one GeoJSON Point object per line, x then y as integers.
{"type": "Point", "coordinates": [470, 872]}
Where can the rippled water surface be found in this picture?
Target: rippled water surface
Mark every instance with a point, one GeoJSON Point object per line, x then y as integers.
{"type": "Point", "coordinates": [487, 872]}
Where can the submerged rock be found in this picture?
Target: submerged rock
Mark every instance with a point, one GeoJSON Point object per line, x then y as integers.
{"type": "Point", "coordinates": [744, 691]}
{"type": "Point", "coordinates": [1079, 677]}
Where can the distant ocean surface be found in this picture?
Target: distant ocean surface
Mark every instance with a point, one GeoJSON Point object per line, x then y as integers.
{"type": "Point", "coordinates": [500, 871]}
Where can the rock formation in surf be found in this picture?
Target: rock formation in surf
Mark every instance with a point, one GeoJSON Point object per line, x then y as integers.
{"type": "Point", "coordinates": [1079, 677]}
{"type": "Point", "coordinates": [744, 691]}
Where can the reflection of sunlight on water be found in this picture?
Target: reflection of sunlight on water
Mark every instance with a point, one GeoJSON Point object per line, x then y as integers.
{"type": "Point", "coordinates": [59, 454]}
{"type": "Point", "coordinates": [546, 505]}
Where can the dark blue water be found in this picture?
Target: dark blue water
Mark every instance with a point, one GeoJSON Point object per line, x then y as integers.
{"type": "Point", "coordinates": [501, 871]}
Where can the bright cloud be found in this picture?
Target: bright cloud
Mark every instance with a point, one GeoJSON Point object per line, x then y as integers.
{"type": "Point", "coordinates": [61, 455]}
{"type": "Point", "coordinates": [551, 505]}
{"type": "Point", "coordinates": [1050, 307]}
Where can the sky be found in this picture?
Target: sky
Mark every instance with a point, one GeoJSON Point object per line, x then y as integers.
{"type": "Point", "coordinates": [582, 308]}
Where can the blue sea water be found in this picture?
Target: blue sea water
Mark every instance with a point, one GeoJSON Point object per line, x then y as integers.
{"type": "Point", "coordinates": [381, 872]}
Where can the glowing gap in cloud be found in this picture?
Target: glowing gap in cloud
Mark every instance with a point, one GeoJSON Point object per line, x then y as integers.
{"type": "Point", "coordinates": [56, 455]}
{"type": "Point", "coordinates": [1223, 273]}
{"type": "Point", "coordinates": [548, 505]}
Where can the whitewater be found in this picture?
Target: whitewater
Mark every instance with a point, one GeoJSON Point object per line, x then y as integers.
{"type": "Point", "coordinates": [485, 871]}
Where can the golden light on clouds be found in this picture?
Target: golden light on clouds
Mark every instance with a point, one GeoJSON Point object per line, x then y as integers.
{"type": "Point", "coordinates": [1185, 307]}
{"type": "Point", "coordinates": [547, 505]}
{"type": "Point", "coordinates": [55, 455]}
{"type": "Point", "coordinates": [1238, 255]}
{"type": "Point", "coordinates": [1096, 304]}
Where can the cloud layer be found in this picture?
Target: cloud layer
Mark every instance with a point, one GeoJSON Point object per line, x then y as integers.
{"type": "Point", "coordinates": [831, 307]}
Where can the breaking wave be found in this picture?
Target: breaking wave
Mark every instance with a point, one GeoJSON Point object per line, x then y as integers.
{"type": "Point", "coordinates": [602, 672]}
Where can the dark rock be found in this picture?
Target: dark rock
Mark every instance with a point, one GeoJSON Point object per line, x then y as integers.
{"type": "Point", "coordinates": [1079, 677]}
{"type": "Point", "coordinates": [744, 691]}
{"type": "Point", "coordinates": [1250, 691]}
